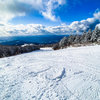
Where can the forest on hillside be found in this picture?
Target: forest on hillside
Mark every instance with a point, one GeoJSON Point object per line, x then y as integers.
{"type": "Point", "coordinates": [87, 38]}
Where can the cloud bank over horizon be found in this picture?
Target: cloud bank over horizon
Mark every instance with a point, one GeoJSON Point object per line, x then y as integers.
{"type": "Point", "coordinates": [46, 8]}
{"type": "Point", "coordinates": [76, 27]}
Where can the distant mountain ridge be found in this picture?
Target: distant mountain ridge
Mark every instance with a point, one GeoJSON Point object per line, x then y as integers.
{"type": "Point", "coordinates": [20, 40]}
{"type": "Point", "coordinates": [16, 42]}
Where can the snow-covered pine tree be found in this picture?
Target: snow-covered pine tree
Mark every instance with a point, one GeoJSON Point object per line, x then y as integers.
{"type": "Point", "coordinates": [77, 39]}
{"type": "Point", "coordinates": [98, 34]}
{"type": "Point", "coordinates": [82, 37]}
{"type": "Point", "coordinates": [87, 37]}
{"type": "Point", "coordinates": [63, 42]}
{"type": "Point", "coordinates": [70, 39]}
{"type": "Point", "coordinates": [95, 34]}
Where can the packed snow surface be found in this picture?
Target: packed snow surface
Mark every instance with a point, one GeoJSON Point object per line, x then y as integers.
{"type": "Point", "coordinates": [67, 74]}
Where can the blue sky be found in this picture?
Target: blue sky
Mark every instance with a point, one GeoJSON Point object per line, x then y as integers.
{"type": "Point", "coordinates": [48, 17]}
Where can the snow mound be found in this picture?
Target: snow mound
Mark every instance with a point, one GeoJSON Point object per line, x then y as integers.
{"type": "Point", "coordinates": [68, 74]}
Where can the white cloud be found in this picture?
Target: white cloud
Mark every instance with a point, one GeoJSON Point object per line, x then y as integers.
{"type": "Point", "coordinates": [49, 15]}
{"type": "Point", "coordinates": [12, 8]}
{"type": "Point", "coordinates": [51, 5]}
{"type": "Point", "coordinates": [75, 27]}
{"type": "Point", "coordinates": [33, 29]}
{"type": "Point", "coordinates": [98, 25]}
{"type": "Point", "coordinates": [35, 4]}
{"type": "Point", "coordinates": [89, 23]}
{"type": "Point", "coordinates": [97, 15]}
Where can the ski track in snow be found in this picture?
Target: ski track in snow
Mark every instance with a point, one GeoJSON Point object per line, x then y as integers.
{"type": "Point", "coordinates": [67, 74]}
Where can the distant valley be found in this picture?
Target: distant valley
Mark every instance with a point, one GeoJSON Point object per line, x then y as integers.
{"type": "Point", "coordinates": [20, 40]}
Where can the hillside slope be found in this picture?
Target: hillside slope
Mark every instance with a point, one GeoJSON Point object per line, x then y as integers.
{"type": "Point", "coordinates": [68, 74]}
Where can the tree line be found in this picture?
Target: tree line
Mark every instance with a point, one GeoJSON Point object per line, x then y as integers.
{"type": "Point", "coordinates": [6, 51]}
{"type": "Point", "coordinates": [78, 40]}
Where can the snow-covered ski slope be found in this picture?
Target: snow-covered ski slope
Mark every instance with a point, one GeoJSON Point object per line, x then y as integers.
{"type": "Point", "coordinates": [67, 74]}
